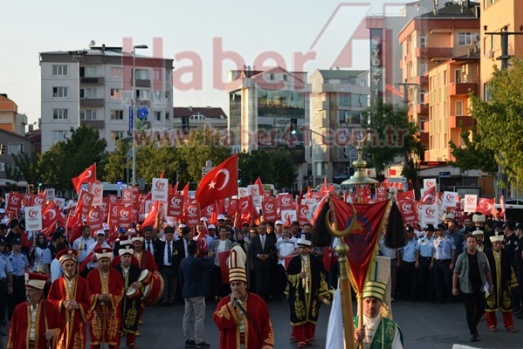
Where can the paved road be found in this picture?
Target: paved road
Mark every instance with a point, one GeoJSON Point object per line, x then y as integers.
{"type": "Point", "coordinates": [424, 325]}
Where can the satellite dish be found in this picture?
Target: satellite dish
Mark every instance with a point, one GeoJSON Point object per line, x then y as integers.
{"type": "Point", "coordinates": [92, 43]}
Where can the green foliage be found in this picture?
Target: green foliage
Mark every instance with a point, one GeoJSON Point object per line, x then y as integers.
{"type": "Point", "coordinates": [274, 166]}
{"type": "Point", "coordinates": [68, 158]}
{"type": "Point", "coordinates": [500, 121]}
{"type": "Point", "coordinates": [199, 146]}
{"type": "Point", "coordinates": [116, 163]}
{"type": "Point", "coordinates": [24, 168]}
{"type": "Point", "coordinates": [392, 136]}
{"type": "Point", "coordinates": [473, 155]}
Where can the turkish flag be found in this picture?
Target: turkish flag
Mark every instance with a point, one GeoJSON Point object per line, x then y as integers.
{"type": "Point", "coordinates": [51, 218]}
{"type": "Point", "coordinates": [88, 176]}
{"type": "Point", "coordinates": [221, 182]}
{"type": "Point", "coordinates": [150, 219]}
{"type": "Point", "coordinates": [429, 197]}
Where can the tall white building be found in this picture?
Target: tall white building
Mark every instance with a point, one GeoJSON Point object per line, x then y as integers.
{"type": "Point", "coordinates": [95, 87]}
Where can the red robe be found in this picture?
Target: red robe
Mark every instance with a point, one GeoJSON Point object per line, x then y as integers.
{"type": "Point", "coordinates": [20, 322]}
{"type": "Point", "coordinates": [105, 318]}
{"type": "Point", "coordinates": [73, 334]}
{"type": "Point", "coordinates": [146, 261]}
{"type": "Point", "coordinates": [258, 334]}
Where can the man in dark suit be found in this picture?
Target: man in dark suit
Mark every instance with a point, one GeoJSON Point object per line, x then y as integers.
{"type": "Point", "coordinates": [150, 243]}
{"type": "Point", "coordinates": [263, 252]}
{"type": "Point", "coordinates": [192, 281]}
{"type": "Point", "coordinates": [167, 265]}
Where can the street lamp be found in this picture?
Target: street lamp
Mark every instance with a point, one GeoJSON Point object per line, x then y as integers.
{"type": "Point", "coordinates": [133, 103]}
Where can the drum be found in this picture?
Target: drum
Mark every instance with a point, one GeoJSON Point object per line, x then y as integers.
{"type": "Point", "coordinates": [153, 292]}
{"type": "Point", "coordinates": [133, 293]}
{"type": "Point", "coordinates": [145, 277]}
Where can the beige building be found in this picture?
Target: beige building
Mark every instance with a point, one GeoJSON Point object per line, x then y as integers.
{"type": "Point", "coordinates": [338, 99]}
{"type": "Point", "coordinates": [498, 16]}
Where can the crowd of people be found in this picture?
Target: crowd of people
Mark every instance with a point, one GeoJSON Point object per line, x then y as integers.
{"type": "Point", "coordinates": [96, 284]}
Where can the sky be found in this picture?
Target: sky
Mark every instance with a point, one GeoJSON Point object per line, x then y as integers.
{"type": "Point", "coordinates": [257, 33]}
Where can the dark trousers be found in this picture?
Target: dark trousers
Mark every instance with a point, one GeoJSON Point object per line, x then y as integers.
{"type": "Point", "coordinates": [408, 280]}
{"type": "Point", "coordinates": [281, 281]}
{"type": "Point", "coordinates": [262, 272]}
{"type": "Point", "coordinates": [519, 290]}
{"type": "Point", "coordinates": [425, 279]}
{"type": "Point", "coordinates": [474, 309]}
{"type": "Point", "coordinates": [442, 279]}
{"type": "Point", "coordinates": [170, 280]}
{"type": "Point", "coordinates": [18, 295]}
{"type": "Point", "coordinates": [3, 301]}
{"type": "Point", "coordinates": [219, 289]}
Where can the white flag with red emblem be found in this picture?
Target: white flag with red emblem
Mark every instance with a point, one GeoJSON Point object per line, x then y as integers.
{"type": "Point", "coordinates": [220, 183]}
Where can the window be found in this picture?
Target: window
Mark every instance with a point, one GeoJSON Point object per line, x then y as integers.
{"type": "Point", "coordinates": [157, 74]}
{"type": "Point", "coordinates": [116, 93]}
{"type": "Point", "coordinates": [344, 100]}
{"type": "Point", "coordinates": [457, 76]}
{"type": "Point", "coordinates": [142, 94]}
{"type": "Point", "coordinates": [116, 72]}
{"type": "Point", "coordinates": [167, 116]}
{"type": "Point", "coordinates": [459, 108]}
{"type": "Point", "coordinates": [59, 135]}
{"type": "Point", "coordinates": [59, 114]}
{"type": "Point", "coordinates": [158, 116]}
{"type": "Point", "coordinates": [486, 92]}
{"type": "Point", "coordinates": [60, 92]}
{"type": "Point", "coordinates": [59, 69]}
{"type": "Point", "coordinates": [87, 72]}
{"type": "Point", "coordinates": [88, 114]}
{"type": "Point", "coordinates": [15, 148]}
{"type": "Point", "coordinates": [167, 94]}
{"type": "Point", "coordinates": [87, 93]}
{"type": "Point", "coordinates": [197, 116]}
{"type": "Point", "coordinates": [116, 114]}
{"type": "Point", "coordinates": [422, 95]}
{"type": "Point", "coordinates": [271, 76]}
{"type": "Point", "coordinates": [422, 122]}
{"type": "Point", "coordinates": [422, 68]}
{"type": "Point", "coordinates": [465, 39]}
{"type": "Point", "coordinates": [157, 95]}
{"type": "Point", "coordinates": [116, 135]}
{"type": "Point", "coordinates": [142, 74]}
{"type": "Point", "coordinates": [422, 41]}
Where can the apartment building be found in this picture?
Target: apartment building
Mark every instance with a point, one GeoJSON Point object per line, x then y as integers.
{"type": "Point", "coordinates": [10, 119]}
{"type": "Point", "coordinates": [427, 41]}
{"type": "Point", "coordinates": [338, 99]}
{"type": "Point", "coordinates": [95, 87]}
{"type": "Point", "coordinates": [499, 16]}
{"type": "Point", "coordinates": [186, 119]}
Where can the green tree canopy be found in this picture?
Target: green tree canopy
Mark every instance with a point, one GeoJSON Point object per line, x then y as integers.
{"type": "Point", "coordinates": [68, 158]}
{"type": "Point", "coordinates": [274, 166]}
{"type": "Point", "coordinates": [500, 119]}
{"type": "Point", "coordinates": [392, 136]}
{"type": "Point", "coordinates": [473, 155]}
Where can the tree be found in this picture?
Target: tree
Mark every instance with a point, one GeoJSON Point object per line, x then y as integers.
{"type": "Point", "coordinates": [118, 163]}
{"type": "Point", "coordinates": [68, 158]}
{"type": "Point", "coordinates": [392, 136]}
{"type": "Point", "coordinates": [473, 155]}
{"type": "Point", "coordinates": [24, 168]}
{"type": "Point", "coordinates": [199, 146]}
{"type": "Point", "coordinates": [274, 166]}
{"type": "Point", "coordinates": [500, 121]}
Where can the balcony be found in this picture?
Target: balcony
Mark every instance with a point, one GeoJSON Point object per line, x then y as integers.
{"type": "Point", "coordinates": [92, 102]}
{"type": "Point", "coordinates": [462, 89]}
{"type": "Point", "coordinates": [434, 52]}
{"type": "Point", "coordinates": [457, 121]}
{"type": "Point", "coordinates": [424, 137]}
{"type": "Point", "coordinates": [97, 124]}
{"type": "Point", "coordinates": [143, 83]}
{"type": "Point", "coordinates": [422, 81]}
{"type": "Point", "coordinates": [91, 81]}
{"type": "Point", "coordinates": [143, 103]}
{"type": "Point", "coordinates": [422, 108]}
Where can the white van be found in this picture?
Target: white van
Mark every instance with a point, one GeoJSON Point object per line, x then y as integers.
{"type": "Point", "coordinates": [113, 189]}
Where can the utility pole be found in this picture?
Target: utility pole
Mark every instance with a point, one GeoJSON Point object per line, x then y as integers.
{"type": "Point", "coordinates": [405, 86]}
{"type": "Point", "coordinates": [504, 58]}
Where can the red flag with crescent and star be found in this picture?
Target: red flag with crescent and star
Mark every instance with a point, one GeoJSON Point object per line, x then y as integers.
{"type": "Point", "coordinates": [220, 183]}
{"type": "Point", "coordinates": [88, 176]}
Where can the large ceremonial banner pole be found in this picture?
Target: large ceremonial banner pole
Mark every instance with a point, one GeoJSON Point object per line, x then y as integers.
{"type": "Point", "coordinates": [346, 295]}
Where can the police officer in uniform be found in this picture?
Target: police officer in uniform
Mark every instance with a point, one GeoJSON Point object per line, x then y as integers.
{"type": "Point", "coordinates": [424, 251]}
{"type": "Point", "coordinates": [443, 257]}
{"type": "Point", "coordinates": [20, 264]}
{"type": "Point", "coordinates": [6, 283]}
{"type": "Point", "coordinates": [407, 266]}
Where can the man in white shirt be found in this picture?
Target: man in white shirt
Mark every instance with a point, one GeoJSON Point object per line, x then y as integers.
{"type": "Point", "coordinates": [286, 245]}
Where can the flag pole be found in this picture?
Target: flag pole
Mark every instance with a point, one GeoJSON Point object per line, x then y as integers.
{"type": "Point", "coordinates": [342, 249]}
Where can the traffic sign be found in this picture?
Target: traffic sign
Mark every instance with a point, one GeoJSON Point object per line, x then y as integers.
{"type": "Point", "coordinates": [206, 169]}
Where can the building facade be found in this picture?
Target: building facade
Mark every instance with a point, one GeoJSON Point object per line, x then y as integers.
{"type": "Point", "coordinates": [429, 40]}
{"type": "Point", "coordinates": [95, 87]}
{"type": "Point", "coordinates": [338, 99]}
{"type": "Point", "coordinates": [10, 120]}
{"type": "Point", "coordinates": [186, 119]}
{"type": "Point", "coordinates": [269, 109]}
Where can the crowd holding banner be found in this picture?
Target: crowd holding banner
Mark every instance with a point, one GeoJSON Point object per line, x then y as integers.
{"type": "Point", "coordinates": [220, 207]}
